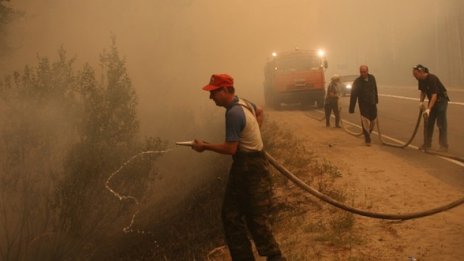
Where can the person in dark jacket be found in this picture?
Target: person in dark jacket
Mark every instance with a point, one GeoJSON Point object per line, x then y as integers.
{"type": "Point", "coordinates": [364, 91]}
{"type": "Point", "coordinates": [247, 199]}
{"type": "Point", "coordinates": [435, 110]}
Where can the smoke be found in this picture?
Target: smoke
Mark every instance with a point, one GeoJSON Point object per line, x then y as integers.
{"type": "Point", "coordinates": [172, 47]}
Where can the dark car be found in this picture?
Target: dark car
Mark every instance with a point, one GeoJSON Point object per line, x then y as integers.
{"type": "Point", "coordinates": [347, 83]}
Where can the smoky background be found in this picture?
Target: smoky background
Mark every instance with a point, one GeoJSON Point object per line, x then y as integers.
{"type": "Point", "coordinates": [172, 47]}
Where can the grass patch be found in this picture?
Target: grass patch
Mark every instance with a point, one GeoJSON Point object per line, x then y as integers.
{"type": "Point", "coordinates": [313, 225]}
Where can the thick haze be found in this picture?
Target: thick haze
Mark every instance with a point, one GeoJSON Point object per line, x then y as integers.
{"type": "Point", "coordinates": [172, 47]}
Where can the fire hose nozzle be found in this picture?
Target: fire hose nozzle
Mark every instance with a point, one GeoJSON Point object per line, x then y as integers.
{"type": "Point", "coordinates": [185, 143]}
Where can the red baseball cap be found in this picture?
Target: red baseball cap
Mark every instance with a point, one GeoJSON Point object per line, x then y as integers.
{"type": "Point", "coordinates": [218, 81]}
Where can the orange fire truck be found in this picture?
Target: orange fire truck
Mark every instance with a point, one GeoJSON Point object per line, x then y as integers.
{"type": "Point", "coordinates": [295, 77]}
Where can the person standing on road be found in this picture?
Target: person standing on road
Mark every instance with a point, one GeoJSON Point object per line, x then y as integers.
{"type": "Point", "coordinates": [436, 108]}
{"type": "Point", "coordinates": [247, 200]}
{"type": "Point", "coordinates": [365, 92]}
{"type": "Point", "coordinates": [331, 101]}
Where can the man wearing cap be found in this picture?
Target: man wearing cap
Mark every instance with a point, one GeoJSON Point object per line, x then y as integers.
{"type": "Point", "coordinates": [365, 92]}
{"type": "Point", "coordinates": [247, 200]}
{"type": "Point", "coordinates": [331, 101]}
{"type": "Point", "coordinates": [435, 110]}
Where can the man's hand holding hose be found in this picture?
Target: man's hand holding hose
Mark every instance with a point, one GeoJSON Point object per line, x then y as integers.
{"type": "Point", "coordinates": [423, 106]}
{"type": "Point", "coordinates": [198, 145]}
{"type": "Point", "coordinates": [426, 113]}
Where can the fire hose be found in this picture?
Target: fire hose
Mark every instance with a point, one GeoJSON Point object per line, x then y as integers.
{"type": "Point", "coordinates": [437, 153]}
{"type": "Point", "coordinates": [300, 183]}
{"type": "Point", "coordinates": [356, 134]}
{"type": "Point", "coordinates": [340, 205]}
{"type": "Point", "coordinates": [410, 139]}
{"type": "Point", "coordinates": [433, 152]}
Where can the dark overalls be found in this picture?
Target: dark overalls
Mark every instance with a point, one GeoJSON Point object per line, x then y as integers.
{"type": "Point", "coordinates": [247, 204]}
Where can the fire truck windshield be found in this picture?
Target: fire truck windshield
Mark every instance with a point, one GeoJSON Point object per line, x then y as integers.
{"type": "Point", "coordinates": [297, 63]}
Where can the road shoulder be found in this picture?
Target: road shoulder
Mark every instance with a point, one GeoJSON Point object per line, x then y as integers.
{"type": "Point", "coordinates": [381, 180]}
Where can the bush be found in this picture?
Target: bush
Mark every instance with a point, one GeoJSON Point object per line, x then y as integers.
{"type": "Point", "coordinates": [63, 133]}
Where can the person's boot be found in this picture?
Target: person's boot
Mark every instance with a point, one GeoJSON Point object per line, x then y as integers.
{"type": "Point", "coordinates": [368, 141]}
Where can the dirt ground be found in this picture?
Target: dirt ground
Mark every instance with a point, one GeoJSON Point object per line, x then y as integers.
{"type": "Point", "coordinates": [380, 180]}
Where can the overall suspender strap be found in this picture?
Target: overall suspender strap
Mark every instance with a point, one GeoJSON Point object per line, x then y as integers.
{"type": "Point", "coordinates": [248, 106]}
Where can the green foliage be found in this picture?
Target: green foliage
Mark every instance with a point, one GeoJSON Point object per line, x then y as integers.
{"type": "Point", "coordinates": [35, 132]}
{"type": "Point", "coordinates": [108, 137]}
{"type": "Point", "coordinates": [63, 133]}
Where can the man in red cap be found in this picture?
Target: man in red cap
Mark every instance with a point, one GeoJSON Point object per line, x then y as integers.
{"type": "Point", "coordinates": [247, 200]}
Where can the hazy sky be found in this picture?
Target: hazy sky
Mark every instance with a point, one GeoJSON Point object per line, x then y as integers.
{"type": "Point", "coordinates": [198, 37]}
{"type": "Point", "coordinates": [173, 46]}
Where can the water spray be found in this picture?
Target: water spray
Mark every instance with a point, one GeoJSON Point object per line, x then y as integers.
{"type": "Point", "coordinates": [121, 197]}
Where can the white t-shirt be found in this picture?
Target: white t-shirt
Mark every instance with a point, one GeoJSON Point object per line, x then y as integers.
{"type": "Point", "coordinates": [242, 126]}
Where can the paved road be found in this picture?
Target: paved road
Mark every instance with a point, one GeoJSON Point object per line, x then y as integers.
{"type": "Point", "coordinates": [398, 112]}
